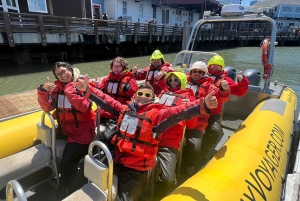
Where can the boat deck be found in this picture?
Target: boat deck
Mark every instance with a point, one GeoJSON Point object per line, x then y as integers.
{"type": "Point", "coordinates": [18, 104]}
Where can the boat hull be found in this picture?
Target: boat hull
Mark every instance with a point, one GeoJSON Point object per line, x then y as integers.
{"type": "Point", "coordinates": [253, 162]}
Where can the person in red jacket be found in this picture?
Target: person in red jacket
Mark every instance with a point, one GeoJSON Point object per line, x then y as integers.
{"type": "Point", "coordinates": [201, 85]}
{"type": "Point", "coordinates": [154, 72]}
{"type": "Point", "coordinates": [138, 133]}
{"type": "Point", "coordinates": [174, 93]}
{"type": "Point", "coordinates": [120, 85]}
{"type": "Point", "coordinates": [74, 116]}
{"type": "Point", "coordinates": [216, 69]}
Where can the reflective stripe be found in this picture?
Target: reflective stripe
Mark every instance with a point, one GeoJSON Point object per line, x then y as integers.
{"type": "Point", "coordinates": [129, 124]}
{"type": "Point", "coordinates": [150, 74]}
{"type": "Point", "coordinates": [166, 100]}
{"type": "Point", "coordinates": [112, 87]}
{"type": "Point", "coordinates": [193, 87]}
{"type": "Point", "coordinates": [63, 102]}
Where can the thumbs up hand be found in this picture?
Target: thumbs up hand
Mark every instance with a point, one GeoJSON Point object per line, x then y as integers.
{"type": "Point", "coordinates": [224, 84]}
{"type": "Point", "coordinates": [83, 84]}
{"type": "Point", "coordinates": [211, 100]}
{"type": "Point", "coordinates": [240, 76]}
{"type": "Point", "coordinates": [48, 86]}
{"type": "Point", "coordinates": [160, 74]}
{"type": "Point", "coordinates": [134, 69]}
{"type": "Point", "coordinates": [96, 82]}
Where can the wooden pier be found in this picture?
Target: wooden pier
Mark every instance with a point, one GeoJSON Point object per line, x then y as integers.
{"type": "Point", "coordinates": [28, 36]}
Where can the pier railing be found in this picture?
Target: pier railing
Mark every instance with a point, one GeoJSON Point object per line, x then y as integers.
{"type": "Point", "coordinates": [46, 29]}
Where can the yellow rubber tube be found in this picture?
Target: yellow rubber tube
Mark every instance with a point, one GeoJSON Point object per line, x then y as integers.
{"type": "Point", "coordinates": [252, 164]}
{"type": "Point", "coordinates": [20, 133]}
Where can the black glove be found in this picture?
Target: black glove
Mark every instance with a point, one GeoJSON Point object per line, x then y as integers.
{"type": "Point", "coordinates": [126, 87]}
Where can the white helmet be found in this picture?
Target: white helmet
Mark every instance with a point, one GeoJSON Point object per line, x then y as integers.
{"type": "Point", "coordinates": [199, 65]}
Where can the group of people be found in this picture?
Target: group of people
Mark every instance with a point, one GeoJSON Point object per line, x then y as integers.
{"type": "Point", "coordinates": [144, 123]}
{"type": "Point", "coordinates": [100, 16]}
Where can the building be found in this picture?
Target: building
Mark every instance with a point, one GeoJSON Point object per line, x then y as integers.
{"type": "Point", "coordinates": [80, 8]}
{"type": "Point", "coordinates": [168, 12]}
{"type": "Point", "coordinates": [286, 13]}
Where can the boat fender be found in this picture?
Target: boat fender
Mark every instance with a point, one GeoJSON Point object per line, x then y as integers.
{"type": "Point", "coordinates": [231, 72]}
{"type": "Point", "coordinates": [253, 76]}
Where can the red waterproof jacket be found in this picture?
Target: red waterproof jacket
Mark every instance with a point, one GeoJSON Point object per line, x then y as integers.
{"type": "Point", "coordinates": [173, 135]}
{"type": "Point", "coordinates": [238, 89]}
{"type": "Point", "coordinates": [69, 103]}
{"type": "Point", "coordinates": [113, 86]}
{"type": "Point", "coordinates": [202, 88]}
{"type": "Point", "coordinates": [149, 73]}
{"type": "Point", "coordinates": [160, 120]}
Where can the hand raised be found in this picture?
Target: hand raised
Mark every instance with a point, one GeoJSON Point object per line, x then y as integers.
{"type": "Point", "coordinates": [240, 76]}
{"type": "Point", "coordinates": [211, 100]}
{"type": "Point", "coordinates": [160, 74]}
{"type": "Point", "coordinates": [96, 82]}
{"type": "Point", "coordinates": [224, 84]}
{"type": "Point", "coordinates": [48, 86]}
{"type": "Point", "coordinates": [134, 69]}
{"type": "Point", "coordinates": [83, 84]}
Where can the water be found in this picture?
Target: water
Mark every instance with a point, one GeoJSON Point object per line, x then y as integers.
{"type": "Point", "coordinates": [28, 77]}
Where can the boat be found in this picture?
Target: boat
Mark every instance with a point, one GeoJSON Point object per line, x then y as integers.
{"type": "Point", "coordinates": [256, 158]}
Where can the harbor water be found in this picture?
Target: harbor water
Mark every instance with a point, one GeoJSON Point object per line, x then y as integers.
{"type": "Point", "coordinates": [26, 77]}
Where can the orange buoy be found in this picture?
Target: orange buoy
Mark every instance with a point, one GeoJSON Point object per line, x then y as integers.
{"type": "Point", "coordinates": [265, 50]}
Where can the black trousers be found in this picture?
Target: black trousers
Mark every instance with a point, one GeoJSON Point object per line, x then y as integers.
{"type": "Point", "coordinates": [131, 183]}
{"type": "Point", "coordinates": [73, 152]}
{"type": "Point", "coordinates": [212, 132]}
{"type": "Point", "coordinates": [192, 149]}
{"type": "Point", "coordinates": [167, 158]}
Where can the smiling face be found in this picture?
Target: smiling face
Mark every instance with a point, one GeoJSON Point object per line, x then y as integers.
{"type": "Point", "coordinates": [143, 96]}
{"type": "Point", "coordinates": [156, 62]}
{"type": "Point", "coordinates": [64, 74]}
{"type": "Point", "coordinates": [215, 68]}
{"type": "Point", "coordinates": [196, 74]}
{"type": "Point", "coordinates": [117, 67]}
{"type": "Point", "coordinates": [173, 81]}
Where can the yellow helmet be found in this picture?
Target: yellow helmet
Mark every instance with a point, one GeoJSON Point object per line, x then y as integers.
{"type": "Point", "coordinates": [157, 55]}
{"type": "Point", "coordinates": [217, 59]}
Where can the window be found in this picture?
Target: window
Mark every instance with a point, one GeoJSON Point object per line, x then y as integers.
{"type": "Point", "coordinates": [37, 6]}
{"type": "Point", "coordinates": [165, 16]}
{"type": "Point", "coordinates": [275, 9]}
{"type": "Point", "coordinates": [124, 8]}
{"type": "Point", "coordinates": [297, 10]}
{"type": "Point", "coordinates": [154, 12]}
{"type": "Point", "coordinates": [287, 9]}
{"type": "Point", "coordinates": [279, 25]}
{"type": "Point", "coordinates": [141, 8]}
{"type": "Point", "coordinates": [178, 15]}
{"type": "Point", "coordinates": [190, 19]}
{"type": "Point", "coordinates": [11, 3]}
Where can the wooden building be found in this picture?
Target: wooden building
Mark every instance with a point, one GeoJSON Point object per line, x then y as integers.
{"type": "Point", "coordinates": [66, 8]}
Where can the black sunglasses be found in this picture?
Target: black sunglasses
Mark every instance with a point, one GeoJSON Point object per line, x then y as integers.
{"type": "Point", "coordinates": [198, 71]}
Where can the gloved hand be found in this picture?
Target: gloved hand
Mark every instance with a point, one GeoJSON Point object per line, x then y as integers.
{"type": "Point", "coordinates": [126, 87]}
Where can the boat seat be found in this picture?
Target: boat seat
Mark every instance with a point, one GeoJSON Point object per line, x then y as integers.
{"type": "Point", "coordinates": [24, 163]}
{"type": "Point", "coordinates": [91, 192]}
{"type": "Point", "coordinates": [98, 175]}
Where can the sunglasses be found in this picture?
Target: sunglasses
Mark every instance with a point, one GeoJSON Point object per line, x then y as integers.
{"type": "Point", "coordinates": [171, 80]}
{"type": "Point", "coordinates": [198, 71]}
{"type": "Point", "coordinates": [146, 94]}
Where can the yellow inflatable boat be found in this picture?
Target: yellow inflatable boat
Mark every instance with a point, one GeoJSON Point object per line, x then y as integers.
{"type": "Point", "coordinates": [256, 157]}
